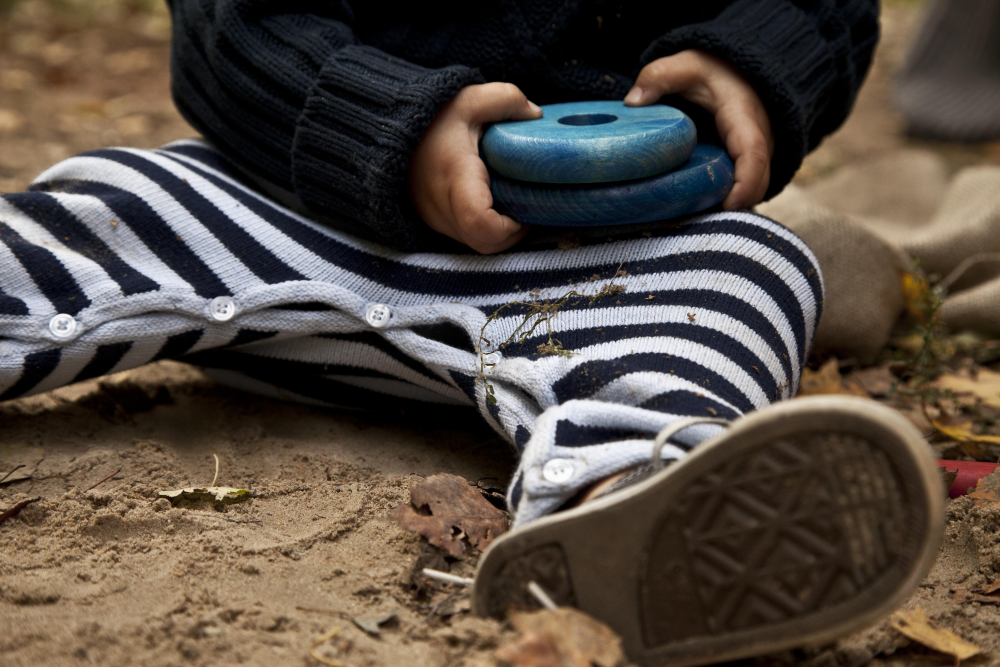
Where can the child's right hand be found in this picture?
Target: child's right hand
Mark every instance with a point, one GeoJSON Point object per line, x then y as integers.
{"type": "Point", "coordinates": [448, 182]}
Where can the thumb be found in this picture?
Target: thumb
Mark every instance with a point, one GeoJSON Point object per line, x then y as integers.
{"type": "Point", "coordinates": [495, 102]}
{"type": "Point", "coordinates": [664, 76]}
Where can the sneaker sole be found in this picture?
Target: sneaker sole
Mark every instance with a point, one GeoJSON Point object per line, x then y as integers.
{"type": "Point", "coordinates": [800, 524]}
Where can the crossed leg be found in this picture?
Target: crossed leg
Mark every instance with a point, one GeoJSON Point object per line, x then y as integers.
{"type": "Point", "coordinates": [578, 356]}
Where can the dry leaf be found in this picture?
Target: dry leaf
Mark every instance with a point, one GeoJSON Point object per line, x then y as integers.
{"type": "Point", "coordinates": [372, 625]}
{"type": "Point", "coordinates": [961, 431]}
{"type": "Point", "coordinates": [827, 380]}
{"type": "Point", "coordinates": [961, 595]}
{"type": "Point", "coordinates": [916, 625]}
{"type": "Point", "coordinates": [223, 495]}
{"type": "Point", "coordinates": [991, 588]}
{"type": "Point", "coordinates": [563, 637]}
{"type": "Point", "coordinates": [877, 380]}
{"type": "Point", "coordinates": [987, 491]}
{"type": "Point", "coordinates": [456, 509]}
{"type": "Point", "coordinates": [948, 477]}
{"type": "Point", "coordinates": [985, 386]}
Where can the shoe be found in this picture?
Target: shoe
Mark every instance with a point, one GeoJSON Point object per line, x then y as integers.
{"type": "Point", "coordinates": [799, 524]}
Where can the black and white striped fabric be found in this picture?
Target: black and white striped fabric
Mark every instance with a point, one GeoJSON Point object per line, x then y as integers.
{"type": "Point", "coordinates": [120, 257]}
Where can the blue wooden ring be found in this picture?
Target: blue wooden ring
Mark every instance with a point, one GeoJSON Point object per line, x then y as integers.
{"type": "Point", "coordinates": [591, 142]}
{"type": "Point", "coordinates": [703, 182]}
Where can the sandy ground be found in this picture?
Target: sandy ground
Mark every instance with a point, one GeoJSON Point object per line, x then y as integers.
{"type": "Point", "coordinates": [114, 575]}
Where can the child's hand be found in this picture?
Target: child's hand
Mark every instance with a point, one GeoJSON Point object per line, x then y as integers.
{"type": "Point", "coordinates": [448, 182]}
{"type": "Point", "coordinates": [739, 114]}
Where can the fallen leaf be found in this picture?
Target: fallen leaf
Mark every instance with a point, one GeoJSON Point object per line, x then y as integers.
{"type": "Point", "coordinates": [371, 625]}
{"type": "Point", "coordinates": [877, 380]}
{"type": "Point", "coordinates": [991, 588]}
{"type": "Point", "coordinates": [961, 431]}
{"type": "Point", "coordinates": [562, 637]}
{"type": "Point", "coordinates": [948, 477]}
{"type": "Point", "coordinates": [827, 380]}
{"type": "Point", "coordinates": [985, 386]}
{"type": "Point", "coordinates": [961, 595]}
{"type": "Point", "coordinates": [535, 649]}
{"type": "Point", "coordinates": [456, 510]}
{"type": "Point", "coordinates": [915, 624]}
{"type": "Point", "coordinates": [223, 495]}
{"type": "Point", "coordinates": [987, 491]}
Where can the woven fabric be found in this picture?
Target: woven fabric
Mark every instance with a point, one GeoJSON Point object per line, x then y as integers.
{"type": "Point", "coordinates": [117, 258]}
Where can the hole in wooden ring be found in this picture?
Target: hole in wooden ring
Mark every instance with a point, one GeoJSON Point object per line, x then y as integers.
{"type": "Point", "coordinates": [588, 119]}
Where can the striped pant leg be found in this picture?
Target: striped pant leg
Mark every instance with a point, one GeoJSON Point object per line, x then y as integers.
{"type": "Point", "coordinates": [120, 257]}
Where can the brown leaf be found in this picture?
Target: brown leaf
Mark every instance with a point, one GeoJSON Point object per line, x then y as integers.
{"type": "Point", "coordinates": [915, 624]}
{"type": "Point", "coordinates": [827, 380]}
{"type": "Point", "coordinates": [575, 638]}
{"type": "Point", "coordinates": [987, 491]}
{"type": "Point", "coordinates": [961, 595]}
{"type": "Point", "coordinates": [536, 649]}
{"type": "Point", "coordinates": [985, 386]}
{"type": "Point", "coordinates": [456, 510]}
{"type": "Point", "coordinates": [991, 588]}
{"type": "Point", "coordinates": [948, 477]}
{"type": "Point", "coordinates": [877, 380]}
{"type": "Point", "coordinates": [16, 509]}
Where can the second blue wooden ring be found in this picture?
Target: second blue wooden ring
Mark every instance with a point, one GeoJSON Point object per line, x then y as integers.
{"type": "Point", "coordinates": [591, 142]}
{"type": "Point", "coordinates": [701, 183]}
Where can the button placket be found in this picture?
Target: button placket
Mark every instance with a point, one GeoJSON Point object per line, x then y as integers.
{"type": "Point", "coordinates": [222, 308]}
{"type": "Point", "coordinates": [378, 315]}
{"type": "Point", "coordinates": [63, 326]}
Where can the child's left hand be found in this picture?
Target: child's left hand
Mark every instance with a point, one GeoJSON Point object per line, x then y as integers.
{"type": "Point", "coordinates": [740, 116]}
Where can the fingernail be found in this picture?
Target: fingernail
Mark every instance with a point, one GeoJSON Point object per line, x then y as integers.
{"type": "Point", "coordinates": [534, 107]}
{"type": "Point", "coordinates": [634, 95]}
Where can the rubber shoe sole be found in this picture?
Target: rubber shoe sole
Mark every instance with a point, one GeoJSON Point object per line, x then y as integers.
{"type": "Point", "coordinates": [801, 523]}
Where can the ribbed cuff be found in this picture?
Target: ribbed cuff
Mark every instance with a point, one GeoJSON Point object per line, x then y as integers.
{"type": "Point", "coordinates": [361, 122]}
{"type": "Point", "coordinates": [779, 49]}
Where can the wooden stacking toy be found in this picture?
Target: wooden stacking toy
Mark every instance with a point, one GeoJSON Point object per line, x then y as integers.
{"type": "Point", "coordinates": [603, 163]}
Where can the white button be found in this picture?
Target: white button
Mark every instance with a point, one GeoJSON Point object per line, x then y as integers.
{"type": "Point", "coordinates": [62, 326]}
{"type": "Point", "coordinates": [378, 315]}
{"type": "Point", "coordinates": [222, 308]}
{"type": "Point", "coordinates": [559, 471]}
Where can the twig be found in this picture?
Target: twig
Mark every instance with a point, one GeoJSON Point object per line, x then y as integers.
{"type": "Point", "coordinates": [214, 479]}
{"type": "Point", "coordinates": [441, 603]}
{"type": "Point", "coordinates": [104, 480]}
{"type": "Point", "coordinates": [539, 594]}
{"type": "Point", "coordinates": [322, 658]}
{"type": "Point", "coordinates": [225, 518]}
{"type": "Point", "coordinates": [964, 266]}
{"type": "Point", "coordinates": [333, 612]}
{"type": "Point", "coordinates": [445, 577]}
{"type": "Point", "coordinates": [16, 509]}
{"type": "Point", "coordinates": [16, 468]}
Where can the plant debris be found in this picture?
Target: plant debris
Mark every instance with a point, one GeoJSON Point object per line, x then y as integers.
{"type": "Point", "coordinates": [539, 312]}
{"type": "Point", "coordinates": [565, 636]}
{"type": "Point", "coordinates": [371, 625]}
{"type": "Point", "coordinates": [987, 491]}
{"type": "Point", "coordinates": [221, 495]}
{"type": "Point", "coordinates": [450, 511]}
{"type": "Point", "coordinates": [16, 509]}
{"type": "Point", "coordinates": [827, 380]}
{"type": "Point", "coordinates": [916, 625]}
{"type": "Point", "coordinates": [985, 385]}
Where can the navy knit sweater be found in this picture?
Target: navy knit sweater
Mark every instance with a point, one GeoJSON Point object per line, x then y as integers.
{"type": "Point", "coordinates": [323, 101]}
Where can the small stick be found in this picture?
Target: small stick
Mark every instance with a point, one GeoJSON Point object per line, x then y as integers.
{"type": "Point", "coordinates": [16, 468]}
{"type": "Point", "coordinates": [539, 594]}
{"type": "Point", "coordinates": [333, 612]}
{"type": "Point", "coordinates": [438, 575]}
{"type": "Point", "coordinates": [440, 604]}
{"type": "Point", "coordinates": [322, 658]}
{"type": "Point", "coordinates": [216, 469]}
{"type": "Point", "coordinates": [16, 509]}
{"type": "Point", "coordinates": [104, 480]}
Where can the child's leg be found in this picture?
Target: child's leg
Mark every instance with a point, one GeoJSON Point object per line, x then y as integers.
{"type": "Point", "coordinates": [121, 257]}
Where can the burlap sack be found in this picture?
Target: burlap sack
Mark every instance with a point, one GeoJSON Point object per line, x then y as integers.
{"type": "Point", "coordinates": [866, 222]}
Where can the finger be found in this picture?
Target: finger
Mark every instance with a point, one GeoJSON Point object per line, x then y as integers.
{"type": "Point", "coordinates": [664, 76]}
{"type": "Point", "coordinates": [747, 145]}
{"type": "Point", "coordinates": [476, 223]}
{"type": "Point", "coordinates": [495, 102]}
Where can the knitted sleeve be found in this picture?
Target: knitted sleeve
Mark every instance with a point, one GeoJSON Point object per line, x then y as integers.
{"type": "Point", "coordinates": [285, 90]}
{"type": "Point", "coordinates": [805, 58]}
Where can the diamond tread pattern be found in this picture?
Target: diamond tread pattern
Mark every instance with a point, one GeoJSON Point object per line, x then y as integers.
{"type": "Point", "coordinates": [786, 530]}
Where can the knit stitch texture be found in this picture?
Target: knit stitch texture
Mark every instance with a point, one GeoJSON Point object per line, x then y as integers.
{"type": "Point", "coordinates": [323, 101]}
